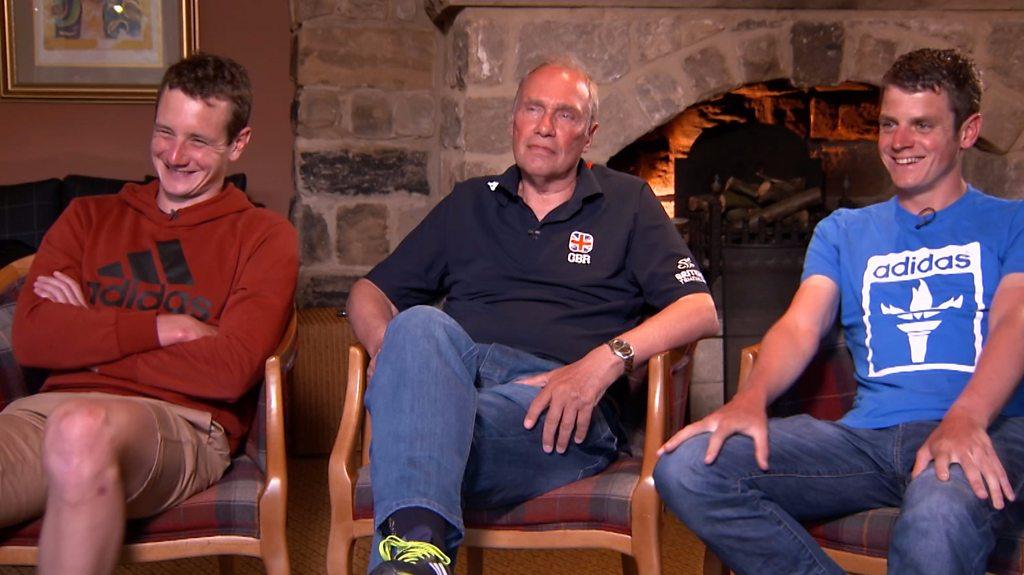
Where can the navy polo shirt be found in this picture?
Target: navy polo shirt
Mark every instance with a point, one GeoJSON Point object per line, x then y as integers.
{"type": "Point", "coordinates": [589, 271]}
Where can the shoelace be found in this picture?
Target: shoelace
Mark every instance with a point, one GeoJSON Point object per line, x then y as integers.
{"type": "Point", "coordinates": [410, 551]}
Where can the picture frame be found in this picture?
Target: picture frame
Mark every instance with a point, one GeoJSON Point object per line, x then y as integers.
{"type": "Point", "coordinates": [93, 50]}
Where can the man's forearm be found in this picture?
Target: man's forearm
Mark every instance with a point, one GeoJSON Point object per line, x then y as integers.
{"type": "Point", "coordinates": [1001, 364]}
{"type": "Point", "coordinates": [369, 312]}
{"type": "Point", "coordinates": [687, 319]}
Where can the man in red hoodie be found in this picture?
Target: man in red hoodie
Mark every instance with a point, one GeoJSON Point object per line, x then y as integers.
{"type": "Point", "coordinates": [154, 310]}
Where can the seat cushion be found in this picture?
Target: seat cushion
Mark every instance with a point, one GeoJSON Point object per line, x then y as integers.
{"type": "Point", "coordinates": [869, 532]}
{"type": "Point", "coordinates": [598, 502]}
{"type": "Point", "coordinates": [229, 507]}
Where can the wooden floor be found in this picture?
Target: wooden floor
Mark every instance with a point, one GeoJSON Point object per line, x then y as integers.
{"type": "Point", "coordinates": [308, 521]}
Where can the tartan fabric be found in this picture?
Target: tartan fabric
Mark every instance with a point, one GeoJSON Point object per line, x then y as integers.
{"type": "Point", "coordinates": [256, 443]}
{"type": "Point", "coordinates": [598, 502]}
{"type": "Point", "coordinates": [12, 379]}
{"type": "Point", "coordinates": [229, 507]}
{"type": "Point", "coordinates": [826, 388]}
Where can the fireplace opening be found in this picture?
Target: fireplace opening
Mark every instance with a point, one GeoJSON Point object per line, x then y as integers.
{"type": "Point", "coordinates": [747, 175]}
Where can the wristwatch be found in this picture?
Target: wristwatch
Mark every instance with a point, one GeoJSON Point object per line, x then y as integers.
{"type": "Point", "coordinates": [624, 351]}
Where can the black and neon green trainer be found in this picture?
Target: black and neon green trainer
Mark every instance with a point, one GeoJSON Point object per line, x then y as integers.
{"type": "Point", "coordinates": [403, 557]}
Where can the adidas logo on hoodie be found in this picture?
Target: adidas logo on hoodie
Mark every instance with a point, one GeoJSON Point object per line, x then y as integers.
{"type": "Point", "coordinates": [143, 269]}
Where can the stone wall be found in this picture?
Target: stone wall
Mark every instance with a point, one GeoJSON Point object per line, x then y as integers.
{"type": "Point", "coordinates": [367, 120]}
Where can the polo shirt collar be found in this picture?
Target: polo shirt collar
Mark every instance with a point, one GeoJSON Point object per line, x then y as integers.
{"type": "Point", "coordinates": [507, 188]}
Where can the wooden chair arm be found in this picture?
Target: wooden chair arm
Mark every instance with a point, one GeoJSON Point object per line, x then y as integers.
{"type": "Point", "coordinates": [661, 369]}
{"type": "Point", "coordinates": [274, 500]}
{"type": "Point", "coordinates": [14, 270]}
{"type": "Point", "coordinates": [747, 357]}
{"type": "Point", "coordinates": [345, 461]}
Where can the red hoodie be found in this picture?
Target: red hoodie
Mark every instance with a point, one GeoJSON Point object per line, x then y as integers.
{"type": "Point", "coordinates": [222, 261]}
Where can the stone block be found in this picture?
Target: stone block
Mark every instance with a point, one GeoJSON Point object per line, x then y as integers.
{"type": "Point", "coordinates": [324, 290]}
{"type": "Point", "coordinates": [1005, 41]}
{"type": "Point", "coordinates": [372, 115]}
{"type": "Point", "coordinates": [1003, 115]}
{"type": "Point", "coordinates": [759, 59]}
{"type": "Point", "coordinates": [990, 173]}
{"type": "Point", "coordinates": [622, 121]}
{"type": "Point", "coordinates": [817, 53]}
{"type": "Point", "coordinates": [709, 72]}
{"type": "Point", "coordinates": [414, 115]}
{"type": "Point", "coordinates": [318, 109]}
{"type": "Point", "coordinates": [873, 58]}
{"type": "Point", "coordinates": [404, 9]}
{"type": "Point", "coordinates": [602, 47]}
{"type": "Point", "coordinates": [315, 239]}
{"type": "Point", "coordinates": [752, 24]}
{"type": "Point", "coordinates": [353, 173]}
{"type": "Point", "coordinates": [485, 42]}
{"type": "Point", "coordinates": [693, 31]}
{"type": "Point", "coordinates": [451, 124]}
{"type": "Point", "coordinates": [309, 9]}
{"type": "Point", "coordinates": [707, 361]}
{"type": "Point", "coordinates": [704, 399]}
{"type": "Point", "coordinates": [657, 37]}
{"type": "Point", "coordinates": [361, 237]}
{"type": "Point", "coordinates": [371, 56]}
{"type": "Point", "coordinates": [660, 96]}
{"type": "Point", "coordinates": [406, 217]}
{"type": "Point", "coordinates": [487, 122]}
{"type": "Point", "coordinates": [365, 9]}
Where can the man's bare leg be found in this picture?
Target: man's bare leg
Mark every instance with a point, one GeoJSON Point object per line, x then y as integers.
{"type": "Point", "coordinates": [95, 453]}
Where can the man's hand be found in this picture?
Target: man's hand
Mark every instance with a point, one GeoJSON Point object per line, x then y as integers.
{"type": "Point", "coordinates": [175, 328]}
{"type": "Point", "coordinates": [745, 414]}
{"type": "Point", "coordinates": [59, 288]}
{"type": "Point", "coordinates": [964, 440]}
{"type": "Point", "coordinates": [570, 394]}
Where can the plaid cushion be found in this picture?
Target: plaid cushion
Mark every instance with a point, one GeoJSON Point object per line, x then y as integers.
{"type": "Point", "coordinates": [825, 390]}
{"type": "Point", "coordinates": [597, 502]}
{"type": "Point", "coordinates": [868, 533]}
{"type": "Point", "coordinates": [256, 443]}
{"type": "Point", "coordinates": [229, 507]}
{"type": "Point", "coordinates": [12, 379]}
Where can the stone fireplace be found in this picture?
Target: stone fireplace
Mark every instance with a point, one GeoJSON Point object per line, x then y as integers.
{"type": "Point", "coordinates": [398, 99]}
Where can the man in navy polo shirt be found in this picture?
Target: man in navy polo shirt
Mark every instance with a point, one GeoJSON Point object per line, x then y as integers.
{"type": "Point", "coordinates": [547, 271]}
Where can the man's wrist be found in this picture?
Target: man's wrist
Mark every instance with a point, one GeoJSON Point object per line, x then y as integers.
{"type": "Point", "coordinates": [623, 350]}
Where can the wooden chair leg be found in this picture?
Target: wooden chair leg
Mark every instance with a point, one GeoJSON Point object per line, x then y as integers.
{"type": "Point", "coordinates": [474, 560]}
{"type": "Point", "coordinates": [227, 564]}
{"type": "Point", "coordinates": [713, 565]}
{"type": "Point", "coordinates": [628, 565]}
{"type": "Point", "coordinates": [339, 553]}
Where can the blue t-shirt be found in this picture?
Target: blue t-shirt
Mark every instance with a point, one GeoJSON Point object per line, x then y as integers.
{"type": "Point", "coordinates": [915, 299]}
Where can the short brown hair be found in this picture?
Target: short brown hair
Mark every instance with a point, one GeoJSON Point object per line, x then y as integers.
{"type": "Point", "coordinates": [946, 71]}
{"type": "Point", "coordinates": [209, 77]}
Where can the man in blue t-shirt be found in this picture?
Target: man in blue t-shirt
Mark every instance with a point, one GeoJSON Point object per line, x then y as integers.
{"type": "Point", "coordinates": [547, 272]}
{"type": "Point", "coordinates": [928, 287]}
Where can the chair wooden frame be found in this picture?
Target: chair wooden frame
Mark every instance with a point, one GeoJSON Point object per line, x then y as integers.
{"type": "Point", "coordinates": [271, 546]}
{"type": "Point", "coordinates": [850, 562]}
{"type": "Point", "coordinates": [641, 550]}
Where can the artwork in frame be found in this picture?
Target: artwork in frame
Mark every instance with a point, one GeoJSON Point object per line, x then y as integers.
{"type": "Point", "coordinates": [93, 50]}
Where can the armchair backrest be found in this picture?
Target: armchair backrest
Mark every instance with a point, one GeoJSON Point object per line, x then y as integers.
{"type": "Point", "coordinates": [15, 382]}
{"type": "Point", "coordinates": [825, 389]}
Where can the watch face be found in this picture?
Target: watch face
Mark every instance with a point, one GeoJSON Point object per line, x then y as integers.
{"type": "Point", "coordinates": [622, 348]}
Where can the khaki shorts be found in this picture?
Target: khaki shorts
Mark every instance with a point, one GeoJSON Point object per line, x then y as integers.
{"type": "Point", "coordinates": [192, 454]}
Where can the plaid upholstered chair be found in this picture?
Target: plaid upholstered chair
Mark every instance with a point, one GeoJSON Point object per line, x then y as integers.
{"type": "Point", "coordinates": [616, 509]}
{"type": "Point", "coordinates": [859, 543]}
{"type": "Point", "coordinates": [242, 514]}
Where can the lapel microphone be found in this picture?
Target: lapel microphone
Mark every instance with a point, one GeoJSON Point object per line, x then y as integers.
{"type": "Point", "coordinates": [924, 217]}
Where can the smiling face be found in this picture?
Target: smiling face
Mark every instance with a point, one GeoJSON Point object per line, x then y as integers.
{"type": "Point", "coordinates": [190, 148]}
{"type": "Point", "coordinates": [551, 123]}
{"type": "Point", "coordinates": [920, 144]}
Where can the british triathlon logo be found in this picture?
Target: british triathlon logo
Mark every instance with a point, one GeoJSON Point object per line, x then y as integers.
{"type": "Point", "coordinates": [688, 272]}
{"type": "Point", "coordinates": [580, 245]}
{"type": "Point", "coordinates": [918, 305]}
{"type": "Point", "coordinates": [128, 289]}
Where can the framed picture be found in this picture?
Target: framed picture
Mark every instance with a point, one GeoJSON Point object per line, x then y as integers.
{"type": "Point", "coordinates": [93, 50]}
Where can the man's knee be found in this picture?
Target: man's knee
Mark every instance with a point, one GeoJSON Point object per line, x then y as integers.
{"type": "Point", "coordinates": [79, 448]}
{"type": "Point", "coordinates": [683, 479]}
{"type": "Point", "coordinates": [421, 320]}
{"type": "Point", "coordinates": [938, 507]}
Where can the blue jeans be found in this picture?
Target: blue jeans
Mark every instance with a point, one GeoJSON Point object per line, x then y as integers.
{"type": "Point", "coordinates": [448, 425]}
{"type": "Point", "coordinates": [822, 469]}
